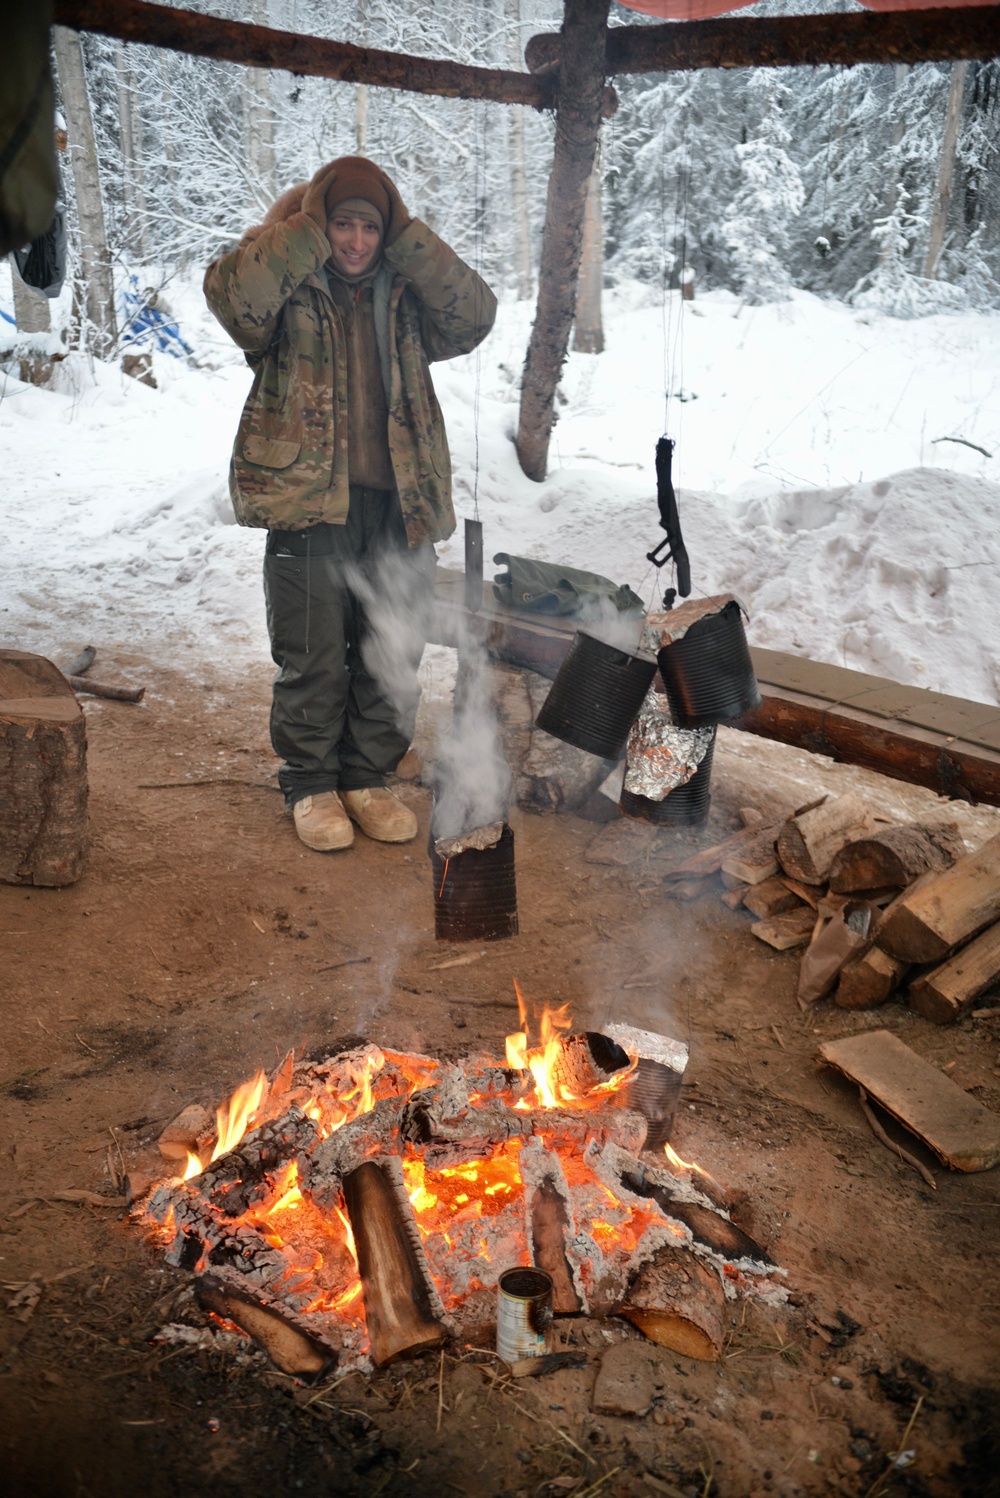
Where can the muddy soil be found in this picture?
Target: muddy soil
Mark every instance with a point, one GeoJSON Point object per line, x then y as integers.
{"type": "Point", "coordinates": [204, 940]}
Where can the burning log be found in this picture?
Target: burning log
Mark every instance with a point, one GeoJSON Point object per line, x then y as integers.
{"type": "Point", "coordinates": [396, 1283]}
{"type": "Point", "coordinates": [273, 1328]}
{"type": "Point", "coordinates": [548, 1211]}
{"type": "Point", "coordinates": [895, 856]}
{"type": "Point", "coordinates": [588, 1061]}
{"type": "Point", "coordinates": [678, 1302]}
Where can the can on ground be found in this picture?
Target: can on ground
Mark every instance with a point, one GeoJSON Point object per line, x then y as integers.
{"type": "Point", "coordinates": [524, 1312]}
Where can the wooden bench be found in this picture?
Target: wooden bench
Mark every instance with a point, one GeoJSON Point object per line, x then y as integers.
{"type": "Point", "coordinates": [948, 744]}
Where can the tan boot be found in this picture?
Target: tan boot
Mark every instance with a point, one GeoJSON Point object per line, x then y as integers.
{"type": "Point", "coordinates": [379, 814]}
{"type": "Point", "coordinates": [322, 823]}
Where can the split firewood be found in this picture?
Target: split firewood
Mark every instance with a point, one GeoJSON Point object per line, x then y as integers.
{"type": "Point", "coordinates": [784, 932]}
{"type": "Point", "coordinates": [398, 1309]}
{"type": "Point", "coordinates": [869, 979]}
{"type": "Point", "coordinates": [43, 750]}
{"type": "Point", "coordinates": [810, 894]}
{"type": "Point", "coordinates": [808, 842]}
{"type": "Point", "coordinates": [709, 860]}
{"type": "Point", "coordinates": [894, 856]}
{"type": "Point", "coordinates": [755, 859]}
{"type": "Point", "coordinates": [288, 1347]}
{"type": "Point", "coordinates": [732, 881]}
{"type": "Point", "coordinates": [187, 1133]}
{"type": "Point", "coordinates": [734, 897]}
{"type": "Point", "coordinates": [944, 994]}
{"type": "Point", "coordinates": [926, 923]}
{"type": "Point", "coordinates": [960, 1131]}
{"type": "Point", "coordinates": [102, 689]}
{"type": "Point", "coordinates": [678, 1302]}
{"type": "Point", "coordinates": [771, 897]}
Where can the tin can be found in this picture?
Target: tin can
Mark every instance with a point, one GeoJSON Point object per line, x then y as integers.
{"type": "Point", "coordinates": [524, 1311]}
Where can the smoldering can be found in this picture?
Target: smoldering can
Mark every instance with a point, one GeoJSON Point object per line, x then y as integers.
{"type": "Point", "coordinates": [524, 1312]}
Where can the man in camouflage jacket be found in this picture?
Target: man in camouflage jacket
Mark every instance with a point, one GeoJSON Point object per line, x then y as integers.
{"type": "Point", "coordinates": [340, 300]}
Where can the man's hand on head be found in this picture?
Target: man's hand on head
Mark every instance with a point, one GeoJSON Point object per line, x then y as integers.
{"type": "Point", "coordinates": [399, 214]}
{"type": "Point", "coordinates": [314, 202]}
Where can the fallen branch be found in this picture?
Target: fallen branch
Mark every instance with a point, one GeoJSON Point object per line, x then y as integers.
{"type": "Point", "coordinates": [965, 443]}
{"type": "Point", "coordinates": [87, 655]}
{"type": "Point", "coordinates": [101, 689]}
{"type": "Point", "coordinates": [890, 1144]}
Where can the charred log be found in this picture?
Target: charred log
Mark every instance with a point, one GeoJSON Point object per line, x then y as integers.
{"type": "Point", "coordinates": [396, 1287]}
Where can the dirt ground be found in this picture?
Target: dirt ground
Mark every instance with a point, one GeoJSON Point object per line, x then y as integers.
{"type": "Point", "coordinates": [204, 940]}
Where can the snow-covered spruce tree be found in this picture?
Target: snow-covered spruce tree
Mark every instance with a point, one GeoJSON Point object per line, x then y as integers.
{"type": "Point", "coordinates": [670, 164]}
{"type": "Point", "coordinates": [768, 197]}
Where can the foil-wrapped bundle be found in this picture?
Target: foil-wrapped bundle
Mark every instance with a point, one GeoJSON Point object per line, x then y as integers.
{"type": "Point", "coordinates": [666, 626]}
{"type": "Point", "coordinates": [660, 756]}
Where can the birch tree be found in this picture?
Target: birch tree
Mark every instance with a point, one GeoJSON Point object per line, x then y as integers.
{"type": "Point", "coordinates": [95, 260]}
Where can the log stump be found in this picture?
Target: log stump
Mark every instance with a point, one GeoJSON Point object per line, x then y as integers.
{"type": "Point", "coordinates": [43, 769]}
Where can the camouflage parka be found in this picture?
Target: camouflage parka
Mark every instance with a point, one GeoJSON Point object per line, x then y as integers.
{"type": "Point", "coordinates": [289, 465]}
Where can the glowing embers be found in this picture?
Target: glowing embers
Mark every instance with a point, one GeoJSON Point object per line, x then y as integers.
{"type": "Point", "coordinates": [462, 1171]}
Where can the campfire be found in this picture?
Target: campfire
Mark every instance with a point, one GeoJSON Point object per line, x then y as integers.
{"type": "Point", "coordinates": [362, 1207]}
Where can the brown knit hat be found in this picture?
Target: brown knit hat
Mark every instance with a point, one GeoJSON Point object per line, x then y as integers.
{"type": "Point", "coordinates": [357, 177]}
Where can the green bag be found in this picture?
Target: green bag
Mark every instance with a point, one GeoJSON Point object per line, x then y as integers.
{"type": "Point", "coordinates": [532, 587]}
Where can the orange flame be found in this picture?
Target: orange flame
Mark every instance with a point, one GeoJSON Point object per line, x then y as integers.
{"type": "Point", "coordinates": [541, 1059]}
{"type": "Point", "coordinates": [193, 1167]}
{"type": "Point", "coordinates": [234, 1118]}
{"type": "Point", "coordinates": [676, 1160]}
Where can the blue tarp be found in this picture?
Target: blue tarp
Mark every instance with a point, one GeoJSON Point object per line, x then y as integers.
{"type": "Point", "coordinates": [146, 325]}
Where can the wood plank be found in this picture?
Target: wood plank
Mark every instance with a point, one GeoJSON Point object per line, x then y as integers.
{"type": "Point", "coordinates": [754, 859]}
{"type": "Point", "coordinates": [770, 897]}
{"type": "Point", "coordinates": [944, 994]}
{"type": "Point", "coordinates": [924, 924]}
{"type": "Point", "coordinates": [960, 1131]}
{"type": "Point", "coordinates": [783, 932]}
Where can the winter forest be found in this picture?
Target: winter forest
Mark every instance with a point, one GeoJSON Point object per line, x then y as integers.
{"type": "Point", "coordinates": [874, 184]}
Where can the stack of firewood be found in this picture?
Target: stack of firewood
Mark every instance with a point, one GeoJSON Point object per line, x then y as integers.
{"type": "Point", "coordinates": [932, 927]}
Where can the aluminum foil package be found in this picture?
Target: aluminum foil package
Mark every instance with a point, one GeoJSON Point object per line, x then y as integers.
{"type": "Point", "coordinates": [665, 626]}
{"type": "Point", "coordinates": [660, 756]}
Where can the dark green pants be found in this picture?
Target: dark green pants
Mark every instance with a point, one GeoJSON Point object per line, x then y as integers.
{"type": "Point", "coordinates": [347, 613]}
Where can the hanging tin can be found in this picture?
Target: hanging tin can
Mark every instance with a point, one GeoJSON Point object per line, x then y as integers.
{"type": "Point", "coordinates": [524, 1313]}
{"type": "Point", "coordinates": [594, 699]}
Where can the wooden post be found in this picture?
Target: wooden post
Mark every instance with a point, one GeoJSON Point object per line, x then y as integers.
{"type": "Point", "coordinates": [43, 749]}
{"type": "Point", "coordinates": [588, 334]}
{"type": "Point", "coordinates": [578, 120]}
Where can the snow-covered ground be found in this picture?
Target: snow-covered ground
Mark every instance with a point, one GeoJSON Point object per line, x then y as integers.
{"type": "Point", "coordinates": [814, 478]}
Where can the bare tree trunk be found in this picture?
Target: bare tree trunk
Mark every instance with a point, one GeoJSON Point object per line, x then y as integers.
{"type": "Point", "coordinates": [578, 121]}
{"type": "Point", "coordinates": [946, 168]}
{"type": "Point", "coordinates": [258, 115]}
{"type": "Point", "coordinates": [361, 96]}
{"type": "Point", "coordinates": [520, 223]}
{"type": "Point", "coordinates": [31, 313]}
{"type": "Point", "coordinates": [100, 297]}
{"type": "Point", "coordinates": [899, 73]}
{"type": "Point", "coordinates": [136, 224]}
{"type": "Point", "coordinates": [588, 337]}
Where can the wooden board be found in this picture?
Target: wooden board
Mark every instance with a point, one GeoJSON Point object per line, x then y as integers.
{"type": "Point", "coordinates": [960, 1131]}
{"type": "Point", "coordinates": [783, 932]}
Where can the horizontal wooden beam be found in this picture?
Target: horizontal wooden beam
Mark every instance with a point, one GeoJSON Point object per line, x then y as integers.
{"type": "Point", "coordinates": [315, 56]}
{"type": "Point", "coordinates": [942, 35]}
